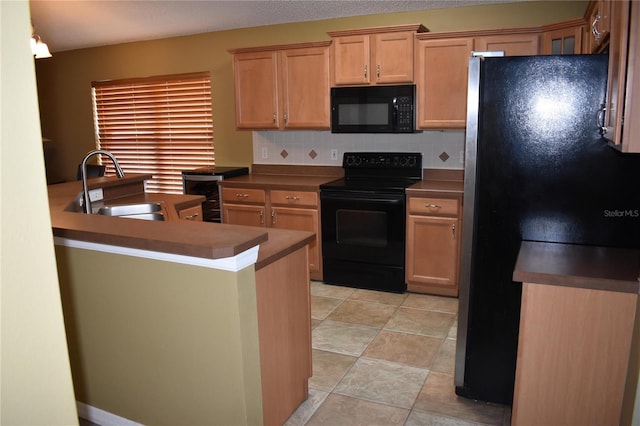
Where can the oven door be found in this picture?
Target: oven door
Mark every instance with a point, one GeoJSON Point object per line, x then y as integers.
{"type": "Point", "coordinates": [363, 239]}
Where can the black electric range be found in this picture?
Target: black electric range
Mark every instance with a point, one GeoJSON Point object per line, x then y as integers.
{"type": "Point", "coordinates": [363, 220]}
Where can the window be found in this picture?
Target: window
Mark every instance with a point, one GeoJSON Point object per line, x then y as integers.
{"type": "Point", "coordinates": [158, 125]}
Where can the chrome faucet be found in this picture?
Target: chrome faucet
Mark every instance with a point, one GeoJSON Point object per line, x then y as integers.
{"type": "Point", "coordinates": [85, 191]}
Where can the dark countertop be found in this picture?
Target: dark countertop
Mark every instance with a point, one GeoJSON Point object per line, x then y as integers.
{"type": "Point", "coordinates": [287, 182]}
{"type": "Point", "coordinates": [182, 237]}
{"type": "Point", "coordinates": [589, 267]}
{"type": "Point", "coordinates": [440, 183]}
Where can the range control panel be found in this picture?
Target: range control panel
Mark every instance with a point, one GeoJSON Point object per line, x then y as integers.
{"type": "Point", "coordinates": [382, 160]}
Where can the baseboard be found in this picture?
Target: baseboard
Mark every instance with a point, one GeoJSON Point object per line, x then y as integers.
{"type": "Point", "coordinates": [101, 417]}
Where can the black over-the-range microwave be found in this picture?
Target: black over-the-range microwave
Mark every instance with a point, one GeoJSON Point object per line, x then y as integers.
{"type": "Point", "coordinates": [373, 109]}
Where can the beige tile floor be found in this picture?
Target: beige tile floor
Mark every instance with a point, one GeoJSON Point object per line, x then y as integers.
{"type": "Point", "coordinates": [386, 359]}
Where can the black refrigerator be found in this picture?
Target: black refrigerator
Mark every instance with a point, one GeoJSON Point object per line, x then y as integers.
{"type": "Point", "coordinates": [536, 168]}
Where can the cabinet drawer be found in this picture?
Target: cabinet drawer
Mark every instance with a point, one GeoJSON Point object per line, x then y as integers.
{"type": "Point", "coordinates": [191, 213]}
{"type": "Point", "coordinates": [243, 195]}
{"type": "Point", "coordinates": [290, 198]}
{"type": "Point", "coordinates": [434, 206]}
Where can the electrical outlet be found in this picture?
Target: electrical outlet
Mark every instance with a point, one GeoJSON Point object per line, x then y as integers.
{"type": "Point", "coordinates": [265, 153]}
{"type": "Point", "coordinates": [334, 154]}
{"type": "Point", "coordinates": [96, 194]}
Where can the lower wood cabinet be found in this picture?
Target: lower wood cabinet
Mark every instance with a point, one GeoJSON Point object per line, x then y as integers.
{"type": "Point", "coordinates": [433, 245]}
{"type": "Point", "coordinates": [573, 355]}
{"type": "Point", "coordinates": [275, 208]}
{"type": "Point", "coordinates": [191, 213]}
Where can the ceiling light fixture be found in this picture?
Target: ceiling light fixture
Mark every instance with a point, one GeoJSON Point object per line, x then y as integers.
{"type": "Point", "coordinates": [38, 47]}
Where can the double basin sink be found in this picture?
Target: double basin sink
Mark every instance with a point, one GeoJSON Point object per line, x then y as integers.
{"type": "Point", "coordinates": [146, 211]}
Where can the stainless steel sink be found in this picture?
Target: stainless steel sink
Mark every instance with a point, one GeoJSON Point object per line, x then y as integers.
{"type": "Point", "coordinates": [144, 216]}
{"type": "Point", "coordinates": [146, 211]}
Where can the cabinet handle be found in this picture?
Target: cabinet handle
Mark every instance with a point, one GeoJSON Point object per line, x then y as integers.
{"type": "Point", "coordinates": [292, 197]}
{"type": "Point", "coordinates": [261, 217]}
{"type": "Point", "coordinates": [594, 27]}
{"type": "Point", "coordinates": [378, 72]}
{"type": "Point", "coordinates": [453, 231]}
{"type": "Point", "coordinates": [192, 216]}
{"type": "Point", "coordinates": [285, 118]}
{"type": "Point", "coordinates": [275, 117]}
{"type": "Point", "coordinates": [433, 206]}
{"type": "Point", "coordinates": [238, 195]}
{"type": "Point", "coordinates": [273, 217]}
{"type": "Point", "coordinates": [365, 72]}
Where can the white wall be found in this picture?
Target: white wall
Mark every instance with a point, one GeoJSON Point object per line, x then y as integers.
{"type": "Point", "coordinates": [34, 372]}
{"type": "Point", "coordinates": [440, 149]}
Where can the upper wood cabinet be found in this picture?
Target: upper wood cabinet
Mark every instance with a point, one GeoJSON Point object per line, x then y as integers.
{"type": "Point", "coordinates": [381, 55]}
{"type": "Point", "coordinates": [565, 38]}
{"type": "Point", "coordinates": [512, 44]}
{"type": "Point", "coordinates": [441, 68]}
{"type": "Point", "coordinates": [282, 87]}
{"type": "Point", "coordinates": [623, 87]}
{"type": "Point", "coordinates": [599, 22]}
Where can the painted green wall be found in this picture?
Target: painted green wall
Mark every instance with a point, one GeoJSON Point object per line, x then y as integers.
{"type": "Point", "coordinates": [64, 81]}
{"type": "Point", "coordinates": [161, 343]}
{"type": "Point", "coordinates": [35, 385]}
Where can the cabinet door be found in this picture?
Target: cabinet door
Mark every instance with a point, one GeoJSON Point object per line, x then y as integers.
{"type": "Point", "coordinates": [256, 90]}
{"type": "Point", "coordinates": [630, 141]}
{"type": "Point", "coordinates": [351, 60]}
{"type": "Point", "coordinates": [600, 24]}
{"type": "Point", "coordinates": [441, 80]}
{"type": "Point", "coordinates": [618, 73]}
{"type": "Point", "coordinates": [566, 41]}
{"type": "Point", "coordinates": [305, 88]}
{"type": "Point", "coordinates": [511, 44]}
{"type": "Point", "coordinates": [301, 220]}
{"type": "Point", "coordinates": [238, 214]}
{"type": "Point", "coordinates": [393, 57]}
{"type": "Point", "coordinates": [432, 254]}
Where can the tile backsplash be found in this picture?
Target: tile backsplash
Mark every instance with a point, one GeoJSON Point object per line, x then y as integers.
{"type": "Point", "coordinates": [440, 149]}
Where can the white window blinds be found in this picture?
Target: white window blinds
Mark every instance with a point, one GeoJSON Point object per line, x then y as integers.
{"type": "Point", "coordinates": [158, 125]}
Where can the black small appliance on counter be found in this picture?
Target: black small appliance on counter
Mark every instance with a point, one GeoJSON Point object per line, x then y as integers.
{"type": "Point", "coordinates": [204, 181]}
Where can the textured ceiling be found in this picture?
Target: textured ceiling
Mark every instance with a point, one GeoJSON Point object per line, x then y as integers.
{"type": "Point", "coordinates": [76, 24]}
